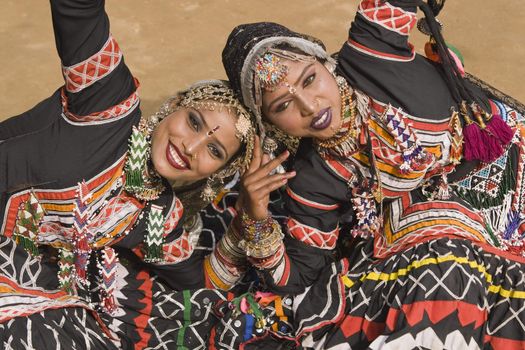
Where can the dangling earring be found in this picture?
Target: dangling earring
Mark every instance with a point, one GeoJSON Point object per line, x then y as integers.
{"type": "Point", "coordinates": [208, 194]}
{"type": "Point", "coordinates": [269, 145]}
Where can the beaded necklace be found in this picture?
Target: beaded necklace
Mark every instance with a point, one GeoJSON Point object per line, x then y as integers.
{"type": "Point", "coordinates": [344, 142]}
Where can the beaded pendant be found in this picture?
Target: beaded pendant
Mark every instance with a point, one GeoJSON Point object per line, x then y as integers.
{"type": "Point", "coordinates": [107, 265]}
{"type": "Point", "coordinates": [66, 272]}
{"type": "Point", "coordinates": [29, 216]}
{"type": "Point", "coordinates": [154, 239]}
{"type": "Point", "coordinates": [139, 180]}
{"type": "Point", "coordinates": [83, 236]}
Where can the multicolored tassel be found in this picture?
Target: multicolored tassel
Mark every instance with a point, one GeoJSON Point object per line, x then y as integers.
{"type": "Point", "coordinates": [108, 270]}
{"type": "Point", "coordinates": [66, 271]}
{"type": "Point", "coordinates": [246, 304]}
{"type": "Point", "coordinates": [83, 237]}
{"type": "Point", "coordinates": [28, 221]}
{"type": "Point", "coordinates": [364, 205]}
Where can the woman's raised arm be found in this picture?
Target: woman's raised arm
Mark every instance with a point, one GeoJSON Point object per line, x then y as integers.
{"type": "Point", "coordinates": [96, 78]}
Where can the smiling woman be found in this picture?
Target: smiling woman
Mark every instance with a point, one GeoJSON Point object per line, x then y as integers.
{"type": "Point", "coordinates": [99, 205]}
{"type": "Point", "coordinates": [190, 144]}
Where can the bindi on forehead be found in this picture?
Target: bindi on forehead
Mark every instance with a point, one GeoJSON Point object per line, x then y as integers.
{"type": "Point", "coordinates": [212, 131]}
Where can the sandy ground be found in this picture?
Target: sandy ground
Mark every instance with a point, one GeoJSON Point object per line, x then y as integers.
{"type": "Point", "coordinates": [170, 43]}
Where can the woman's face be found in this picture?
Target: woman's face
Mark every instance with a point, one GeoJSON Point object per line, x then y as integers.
{"type": "Point", "coordinates": [190, 145]}
{"type": "Point", "coordinates": [308, 104]}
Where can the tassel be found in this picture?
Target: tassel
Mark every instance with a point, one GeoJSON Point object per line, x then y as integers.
{"type": "Point", "coordinates": [512, 224]}
{"type": "Point", "coordinates": [474, 147]}
{"type": "Point", "coordinates": [501, 130]}
{"type": "Point", "coordinates": [492, 141]}
{"type": "Point", "coordinates": [494, 149]}
{"type": "Point", "coordinates": [134, 179]}
{"type": "Point", "coordinates": [480, 142]}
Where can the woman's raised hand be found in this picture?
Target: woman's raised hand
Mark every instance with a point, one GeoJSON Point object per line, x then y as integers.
{"type": "Point", "coordinates": [258, 182]}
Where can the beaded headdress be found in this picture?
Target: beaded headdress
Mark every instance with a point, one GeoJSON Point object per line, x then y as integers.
{"type": "Point", "coordinates": [209, 95]}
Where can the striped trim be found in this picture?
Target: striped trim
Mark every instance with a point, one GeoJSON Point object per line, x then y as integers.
{"type": "Point", "coordinates": [86, 73]}
{"type": "Point", "coordinates": [60, 202]}
{"type": "Point", "coordinates": [382, 55]}
{"type": "Point", "coordinates": [281, 274]}
{"type": "Point", "coordinates": [109, 115]}
{"type": "Point", "coordinates": [19, 301]}
{"type": "Point", "coordinates": [187, 320]}
{"type": "Point", "coordinates": [312, 236]}
{"type": "Point", "coordinates": [403, 272]}
{"type": "Point", "coordinates": [392, 18]}
{"type": "Point", "coordinates": [213, 277]}
{"type": "Point", "coordinates": [310, 203]}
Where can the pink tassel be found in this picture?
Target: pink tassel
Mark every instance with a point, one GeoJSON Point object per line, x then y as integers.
{"type": "Point", "coordinates": [474, 147]}
{"type": "Point", "coordinates": [501, 130]}
{"type": "Point", "coordinates": [493, 147]}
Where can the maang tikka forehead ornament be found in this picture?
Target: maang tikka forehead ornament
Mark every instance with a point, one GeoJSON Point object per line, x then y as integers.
{"type": "Point", "coordinates": [271, 72]}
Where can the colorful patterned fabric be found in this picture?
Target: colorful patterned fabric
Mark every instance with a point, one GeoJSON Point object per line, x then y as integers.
{"type": "Point", "coordinates": [442, 294]}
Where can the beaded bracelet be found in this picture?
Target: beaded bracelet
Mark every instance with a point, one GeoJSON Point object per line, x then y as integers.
{"type": "Point", "coordinates": [262, 238]}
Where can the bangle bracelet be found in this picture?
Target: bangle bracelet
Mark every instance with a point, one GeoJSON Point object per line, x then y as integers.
{"type": "Point", "coordinates": [261, 238]}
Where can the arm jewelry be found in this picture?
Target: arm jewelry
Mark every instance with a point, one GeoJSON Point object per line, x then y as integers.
{"type": "Point", "coordinates": [226, 265]}
{"type": "Point", "coordinates": [263, 241]}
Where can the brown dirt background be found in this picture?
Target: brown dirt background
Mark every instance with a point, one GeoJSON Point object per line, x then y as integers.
{"type": "Point", "coordinates": [170, 43]}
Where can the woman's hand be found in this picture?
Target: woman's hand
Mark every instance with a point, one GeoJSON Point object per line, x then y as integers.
{"type": "Point", "coordinates": [257, 183]}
